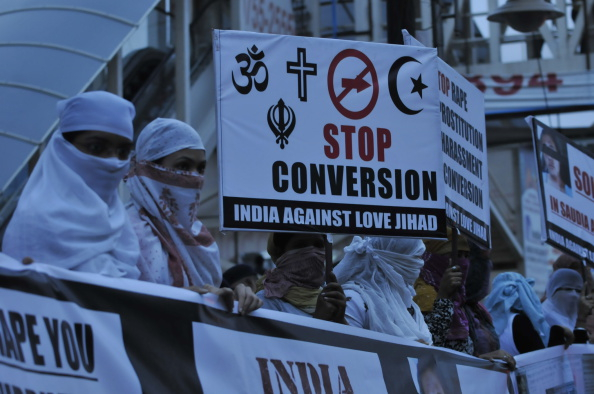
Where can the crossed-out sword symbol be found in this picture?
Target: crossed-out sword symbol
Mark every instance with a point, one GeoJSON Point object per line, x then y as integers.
{"type": "Point", "coordinates": [281, 120]}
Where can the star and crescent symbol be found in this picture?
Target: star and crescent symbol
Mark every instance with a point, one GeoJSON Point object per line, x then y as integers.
{"type": "Point", "coordinates": [418, 85]}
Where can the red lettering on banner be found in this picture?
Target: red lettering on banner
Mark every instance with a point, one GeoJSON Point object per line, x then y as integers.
{"type": "Point", "coordinates": [310, 377]}
{"type": "Point", "coordinates": [515, 83]}
{"type": "Point", "coordinates": [266, 17]}
{"type": "Point", "coordinates": [554, 204]}
{"type": "Point", "coordinates": [514, 80]}
{"type": "Point", "coordinates": [333, 149]}
{"type": "Point", "coordinates": [575, 216]}
{"type": "Point", "coordinates": [368, 142]}
{"type": "Point", "coordinates": [584, 182]}
{"type": "Point", "coordinates": [552, 82]}
{"type": "Point", "coordinates": [444, 83]}
{"type": "Point", "coordinates": [478, 82]}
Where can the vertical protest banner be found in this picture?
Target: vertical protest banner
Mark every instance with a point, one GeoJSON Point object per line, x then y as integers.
{"type": "Point", "coordinates": [328, 136]}
{"type": "Point", "coordinates": [464, 148]}
{"type": "Point", "coordinates": [566, 180]}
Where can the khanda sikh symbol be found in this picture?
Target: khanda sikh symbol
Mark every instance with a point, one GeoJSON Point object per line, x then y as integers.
{"type": "Point", "coordinates": [281, 120]}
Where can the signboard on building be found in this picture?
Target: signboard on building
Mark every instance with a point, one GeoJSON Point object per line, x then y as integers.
{"type": "Point", "coordinates": [328, 136]}
{"type": "Point", "coordinates": [530, 93]}
{"type": "Point", "coordinates": [267, 16]}
{"type": "Point", "coordinates": [566, 178]}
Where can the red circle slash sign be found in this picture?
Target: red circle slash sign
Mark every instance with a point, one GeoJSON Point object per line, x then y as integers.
{"type": "Point", "coordinates": [358, 83]}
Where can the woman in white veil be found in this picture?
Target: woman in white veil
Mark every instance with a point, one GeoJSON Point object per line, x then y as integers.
{"type": "Point", "coordinates": [378, 274]}
{"type": "Point", "coordinates": [69, 214]}
{"type": "Point", "coordinates": [563, 297]}
{"type": "Point", "coordinates": [165, 183]}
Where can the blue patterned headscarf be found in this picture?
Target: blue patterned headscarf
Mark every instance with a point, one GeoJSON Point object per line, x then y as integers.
{"type": "Point", "coordinates": [513, 293]}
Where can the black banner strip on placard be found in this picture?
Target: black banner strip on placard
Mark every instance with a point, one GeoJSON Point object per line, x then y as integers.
{"type": "Point", "coordinates": [269, 215]}
{"type": "Point", "coordinates": [569, 243]}
{"type": "Point", "coordinates": [467, 223]}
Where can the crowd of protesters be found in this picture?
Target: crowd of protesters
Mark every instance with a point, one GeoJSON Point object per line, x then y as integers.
{"type": "Point", "coordinates": [436, 292]}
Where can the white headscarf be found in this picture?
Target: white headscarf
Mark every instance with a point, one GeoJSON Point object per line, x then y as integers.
{"type": "Point", "coordinates": [561, 306]}
{"type": "Point", "coordinates": [69, 213]}
{"type": "Point", "coordinates": [176, 249]}
{"type": "Point", "coordinates": [512, 293]}
{"type": "Point", "coordinates": [383, 270]}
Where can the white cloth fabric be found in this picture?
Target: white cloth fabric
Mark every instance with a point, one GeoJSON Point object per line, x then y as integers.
{"type": "Point", "coordinates": [356, 313]}
{"type": "Point", "coordinates": [561, 306]}
{"type": "Point", "coordinates": [506, 338]}
{"type": "Point", "coordinates": [163, 137]}
{"type": "Point", "coordinates": [383, 271]}
{"type": "Point", "coordinates": [69, 213]}
{"type": "Point", "coordinates": [176, 249]}
{"type": "Point", "coordinates": [278, 304]}
{"type": "Point", "coordinates": [101, 111]}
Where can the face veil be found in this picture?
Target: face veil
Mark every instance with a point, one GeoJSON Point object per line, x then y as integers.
{"type": "Point", "coordinates": [69, 213]}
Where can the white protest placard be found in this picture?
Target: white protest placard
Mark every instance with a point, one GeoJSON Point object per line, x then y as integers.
{"type": "Point", "coordinates": [464, 147]}
{"type": "Point", "coordinates": [555, 370]}
{"type": "Point", "coordinates": [328, 136]}
{"type": "Point", "coordinates": [566, 179]}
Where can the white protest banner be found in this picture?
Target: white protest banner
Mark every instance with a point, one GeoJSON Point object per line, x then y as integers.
{"type": "Point", "coordinates": [566, 178]}
{"type": "Point", "coordinates": [116, 335]}
{"type": "Point", "coordinates": [59, 347]}
{"type": "Point", "coordinates": [464, 147]}
{"type": "Point", "coordinates": [556, 370]}
{"type": "Point", "coordinates": [343, 370]}
{"type": "Point", "coordinates": [328, 136]}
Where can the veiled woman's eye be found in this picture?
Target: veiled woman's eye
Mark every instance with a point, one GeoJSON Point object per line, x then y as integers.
{"type": "Point", "coordinates": [183, 166]}
{"type": "Point", "coordinates": [569, 289]}
{"type": "Point", "coordinates": [123, 152]}
{"type": "Point", "coordinates": [95, 148]}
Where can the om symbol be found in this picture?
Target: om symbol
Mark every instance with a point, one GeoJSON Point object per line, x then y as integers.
{"type": "Point", "coordinates": [251, 72]}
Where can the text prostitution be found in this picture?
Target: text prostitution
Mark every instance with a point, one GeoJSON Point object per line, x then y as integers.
{"type": "Point", "coordinates": [346, 141]}
{"type": "Point", "coordinates": [459, 153]}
